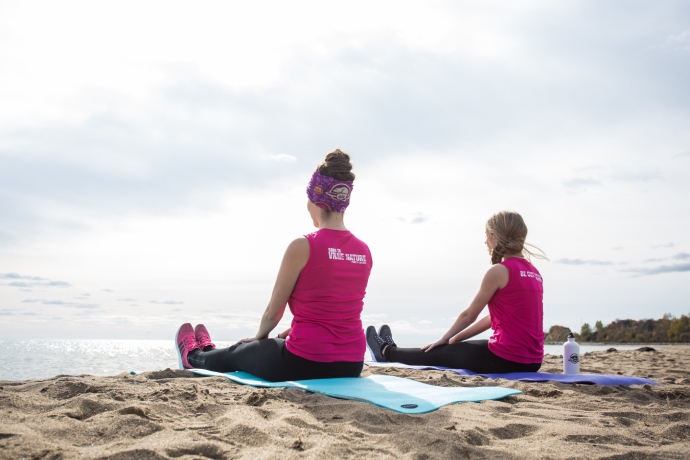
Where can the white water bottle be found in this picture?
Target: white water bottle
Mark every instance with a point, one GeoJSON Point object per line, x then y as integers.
{"type": "Point", "coordinates": [571, 356]}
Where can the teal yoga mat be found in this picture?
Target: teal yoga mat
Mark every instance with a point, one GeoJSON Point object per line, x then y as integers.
{"type": "Point", "coordinates": [394, 393]}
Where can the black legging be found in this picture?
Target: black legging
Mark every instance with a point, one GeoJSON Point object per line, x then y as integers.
{"type": "Point", "coordinates": [271, 360]}
{"type": "Point", "coordinates": [473, 355]}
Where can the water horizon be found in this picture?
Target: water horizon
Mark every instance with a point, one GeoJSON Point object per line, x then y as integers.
{"type": "Point", "coordinates": [37, 359]}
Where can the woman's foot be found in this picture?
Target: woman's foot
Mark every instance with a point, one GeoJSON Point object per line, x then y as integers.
{"type": "Point", "coordinates": [387, 336]}
{"type": "Point", "coordinates": [186, 342]}
{"type": "Point", "coordinates": [203, 338]}
{"type": "Point", "coordinates": [375, 345]}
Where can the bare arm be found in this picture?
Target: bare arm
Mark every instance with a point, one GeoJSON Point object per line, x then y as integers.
{"type": "Point", "coordinates": [295, 258]}
{"type": "Point", "coordinates": [285, 333]}
{"type": "Point", "coordinates": [495, 278]}
{"type": "Point", "coordinates": [476, 328]}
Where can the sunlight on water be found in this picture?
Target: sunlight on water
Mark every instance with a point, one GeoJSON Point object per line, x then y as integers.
{"type": "Point", "coordinates": [558, 349]}
{"type": "Point", "coordinates": [38, 359]}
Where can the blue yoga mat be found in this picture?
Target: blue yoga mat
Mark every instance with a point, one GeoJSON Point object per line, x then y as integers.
{"type": "Point", "coordinates": [394, 393]}
{"type": "Point", "coordinates": [596, 379]}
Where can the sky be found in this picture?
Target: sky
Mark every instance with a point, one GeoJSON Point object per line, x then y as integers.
{"type": "Point", "coordinates": [154, 156]}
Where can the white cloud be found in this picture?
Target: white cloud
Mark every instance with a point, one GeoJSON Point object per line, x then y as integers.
{"type": "Point", "coordinates": [280, 158]}
{"type": "Point", "coordinates": [679, 42]}
{"type": "Point", "coordinates": [567, 261]}
{"type": "Point", "coordinates": [581, 183]}
{"type": "Point", "coordinates": [61, 303]}
{"type": "Point", "coordinates": [22, 281]}
{"type": "Point", "coordinates": [681, 268]}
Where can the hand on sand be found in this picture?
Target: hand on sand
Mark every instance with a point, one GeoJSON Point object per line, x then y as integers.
{"type": "Point", "coordinates": [431, 346]}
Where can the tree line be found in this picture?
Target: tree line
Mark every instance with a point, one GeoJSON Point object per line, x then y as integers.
{"type": "Point", "coordinates": [664, 330]}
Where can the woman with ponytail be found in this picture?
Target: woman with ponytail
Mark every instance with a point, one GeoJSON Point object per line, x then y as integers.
{"type": "Point", "coordinates": [323, 279]}
{"type": "Point", "coordinates": [513, 290]}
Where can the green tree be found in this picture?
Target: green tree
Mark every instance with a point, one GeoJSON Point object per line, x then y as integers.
{"type": "Point", "coordinates": [557, 334]}
{"type": "Point", "coordinates": [586, 334]}
{"type": "Point", "coordinates": [666, 329]}
{"type": "Point", "coordinates": [679, 330]}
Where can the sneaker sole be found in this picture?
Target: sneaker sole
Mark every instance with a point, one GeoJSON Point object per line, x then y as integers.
{"type": "Point", "coordinates": [177, 349]}
{"type": "Point", "coordinates": [371, 354]}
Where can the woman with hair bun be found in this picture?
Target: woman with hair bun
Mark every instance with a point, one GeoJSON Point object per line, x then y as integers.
{"type": "Point", "coordinates": [323, 279]}
{"type": "Point", "coordinates": [513, 290]}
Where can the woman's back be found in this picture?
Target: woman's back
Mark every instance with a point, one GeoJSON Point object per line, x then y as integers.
{"type": "Point", "coordinates": [328, 298]}
{"type": "Point", "coordinates": [517, 312]}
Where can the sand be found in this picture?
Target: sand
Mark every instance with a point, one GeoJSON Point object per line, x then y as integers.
{"type": "Point", "coordinates": [171, 414]}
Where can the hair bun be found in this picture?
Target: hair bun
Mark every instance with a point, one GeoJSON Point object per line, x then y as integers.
{"type": "Point", "coordinates": [337, 165]}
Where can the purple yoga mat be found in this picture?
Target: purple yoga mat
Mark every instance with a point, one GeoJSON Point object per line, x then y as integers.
{"type": "Point", "coordinates": [595, 379]}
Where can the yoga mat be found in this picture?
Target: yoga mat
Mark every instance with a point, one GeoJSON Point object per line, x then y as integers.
{"type": "Point", "coordinates": [394, 393]}
{"type": "Point", "coordinates": [596, 379]}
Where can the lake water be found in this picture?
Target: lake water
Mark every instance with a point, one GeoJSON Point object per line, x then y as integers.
{"type": "Point", "coordinates": [40, 359]}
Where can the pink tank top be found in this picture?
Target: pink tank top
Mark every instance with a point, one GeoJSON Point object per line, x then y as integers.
{"type": "Point", "coordinates": [517, 313]}
{"type": "Point", "coordinates": [328, 298]}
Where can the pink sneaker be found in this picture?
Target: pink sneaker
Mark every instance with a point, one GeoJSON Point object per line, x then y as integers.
{"type": "Point", "coordinates": [185, 341]}
{"type": "Point", "coordinates": [203, 338]}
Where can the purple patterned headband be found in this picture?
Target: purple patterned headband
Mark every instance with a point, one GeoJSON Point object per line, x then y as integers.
{"type": "Point", "coordinates": [329, 193]}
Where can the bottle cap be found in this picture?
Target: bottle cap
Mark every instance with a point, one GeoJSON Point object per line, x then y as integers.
{"type": "Point", "coordinates": [571, 336]}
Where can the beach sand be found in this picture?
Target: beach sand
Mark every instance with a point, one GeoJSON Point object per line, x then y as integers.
{"type": "Point", "coordinates": [171, 414]}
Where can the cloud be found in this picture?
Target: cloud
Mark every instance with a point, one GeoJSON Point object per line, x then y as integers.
{"type": "Point", "coordinates": [280, 158]}
{"type": "Point", "coordinates": [31, 281]}
{"type": "Point", "coordinates": [418, 218]}
{"type": "Point", "coordinates": [17, 312]}
{"type": "Point", "coordinates": [682, 154]}
{"type": "Point", "coordinates": [635, 176]}
{"type": "Point", "coordinates": [666, 245]}
{"type": "Point", "coordinates": [61, 303]}
{"type": "Point", "coordinates": [57, 284]}
{"type": "Point", "coordinates": [24, 284]}
{"type": "Point", "coordinates": [167, 302]}
{"type": "Point", "coordinates": [677, 268]}
{"type": "Point", "coordinates": [368, 318]}
{"type": "Point", "coordinates": [581, 183]}
{"type": "Point", "coordinates": [679, 256]}
{"type": "Point", "coordinates": [111, 165]}
{"type": "Point", "coordinates": [378, 95]}
{"type": "Point", "coordinates": [611, 175]}
{"type": "Point", "coordinates": [656, 259]}
{"type": "Point", "coordinates": [567, 261]}
{"type": "Point", "coordinates": [16, 276]}
{"type": "Point", "coordinates": [678, 43]}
